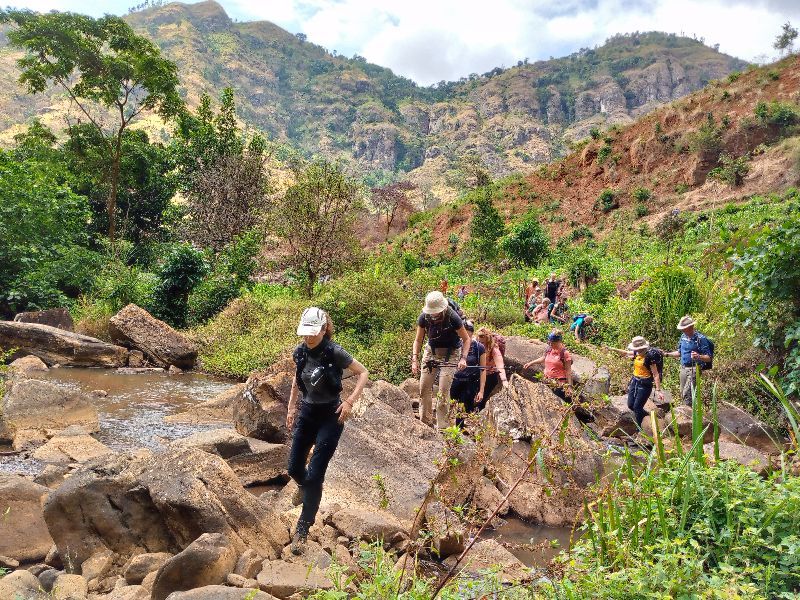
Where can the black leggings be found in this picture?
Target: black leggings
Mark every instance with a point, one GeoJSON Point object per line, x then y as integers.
{"type": "Point", "coordinates": [317, 425]}
{"type": "Point", "coordinates": [639, 391]}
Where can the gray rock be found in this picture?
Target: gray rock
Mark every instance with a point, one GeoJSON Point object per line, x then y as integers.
{"type": "Point", "coordinates": [69, 449]}
{"type": "Point", "coordinates": [47, 579]}
{"type": "Point", "coordinates": [141, 565]}
{"type": "Point", "coordinates": [135, 328]}
{"type": "Point", "coordinates": [489, 554]}
{"type": "Point", "coordinates": [220, 592]}
{"type": "Point", "coordinates": [446, 530]}
{"type": "Point", "coordinates": [740, 427]}
{"type": "Point", "coordinates": [28, 366]}
{"type": "Point", "coordinates": [393, 396]}
{"type": "Point", "coordinates": [206, 561]}
{"type": "Point", "coordinates": [282, 579]}
{"type": "Point", "coordinates": [54, 317]}
{"type": "Point", "coordinates": [367, 525]}
{"type": "Point", "coordinates": [744, 455]}
{"type": "Point", "coordinates": [19, 584]}
{"type": "Point", "coordinates": [23, 531]}
{"type": "Point", "coordinates": [70, 587]}
{"type": "Point", "coordinates": [260, 411]}
{"type": "Point", "coordinates": [131, 504]}
{"type": "Point", "coordinates": [249, 564]}
{"type": "Point", "coordinates": [56, 346]}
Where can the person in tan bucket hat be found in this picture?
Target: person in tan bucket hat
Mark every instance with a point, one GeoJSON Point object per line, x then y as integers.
{"type": "Point", "coordinates": [447, 339]}
{"type": "Point", "coordinates": [648, 371]}
{"type": "Point", "coordinates": [693, 349]}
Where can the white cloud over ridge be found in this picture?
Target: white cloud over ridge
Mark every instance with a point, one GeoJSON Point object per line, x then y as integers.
{"type": "Point", "coordinates": [433, 40]}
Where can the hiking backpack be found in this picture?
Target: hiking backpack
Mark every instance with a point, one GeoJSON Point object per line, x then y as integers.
{"type": "Point", "coordinates": [458, 310]}
{"type": "Point", "coordinates": [656, 357]}
{"type": "Point", "coordinates": [705, 366]}
{"type": "Point", "coordinates": [332, 376]}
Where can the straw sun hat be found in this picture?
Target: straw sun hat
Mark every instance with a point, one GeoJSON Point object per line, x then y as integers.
{"type": "Point", "coordinates": [686, 322]}
{"type": "Point", "coordinates": [638, 343]}
{"type": "Point", "coordinates": [435, 302]}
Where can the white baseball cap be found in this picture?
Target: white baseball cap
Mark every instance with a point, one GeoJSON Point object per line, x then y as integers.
{"type": "Point", "coordinates": [312, 321]}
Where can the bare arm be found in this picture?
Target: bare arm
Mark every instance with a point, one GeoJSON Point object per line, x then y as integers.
{"type": "Point", "coordinates": [537, 361]}
{"type": "Point", "coordinates": [462, 333]}
{"type": "Point", "coordinates": [291, 413]}
{"type": "Point", "coordinates": [415, 350]}
{"type": "Point", "coordinates": [500, 365]}
{"type": "Point", "coordinates": [621, 352]}
{"type": "Point", "coordinates": [568, 369]}
{"type": "Point", "coordinates": [347, 405]}
{"type": "Point", "coordinates": [482, 388]}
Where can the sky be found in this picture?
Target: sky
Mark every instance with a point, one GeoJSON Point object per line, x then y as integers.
{"type": "Point", "coordinates": [433, 40]}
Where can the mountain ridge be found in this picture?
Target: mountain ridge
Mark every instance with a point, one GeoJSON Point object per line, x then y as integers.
{"type": "Point", "coordinates": [301, 94]}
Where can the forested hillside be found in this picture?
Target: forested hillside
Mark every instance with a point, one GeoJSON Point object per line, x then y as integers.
{"type": "Point", "coordinates": [301, 94]}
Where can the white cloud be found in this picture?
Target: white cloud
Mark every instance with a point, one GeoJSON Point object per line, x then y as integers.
{"type": "Point", "coordinates": [431, 40]}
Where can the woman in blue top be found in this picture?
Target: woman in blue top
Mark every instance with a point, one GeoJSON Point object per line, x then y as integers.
{"type": "Point", "coordinates": [469, 384]}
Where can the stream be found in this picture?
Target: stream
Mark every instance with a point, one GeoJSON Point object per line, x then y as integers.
{"type": "Point", "coordinates": [132, 416]}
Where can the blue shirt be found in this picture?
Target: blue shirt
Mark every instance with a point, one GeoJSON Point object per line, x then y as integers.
{"type": "Point", "coordinates": [476, 350]}
{"type": "Point", "coordinates": [697, 343]}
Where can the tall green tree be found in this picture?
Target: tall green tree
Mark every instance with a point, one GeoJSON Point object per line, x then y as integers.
{"type": "Point", "coordinates": [487, 226]}
{"type": "Point", "coordinates": [315, 221]}
{"type": "Point", "coordinates": [785, 39]}
{"type": "Point", "coordinates": [222, 173]}
{"type": "Point", "coordinates": [111, 74]}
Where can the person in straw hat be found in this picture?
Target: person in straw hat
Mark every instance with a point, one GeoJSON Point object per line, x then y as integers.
{"type": "Point", "coordinates": [693, 349]}
{"type": "Point", "coordinates": [648, 369]}
{"type": "Point", "coordinates": [448, 341]}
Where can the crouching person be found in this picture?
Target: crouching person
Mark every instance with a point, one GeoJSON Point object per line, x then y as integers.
{"type": "Point", "coordinates": [319, 421]}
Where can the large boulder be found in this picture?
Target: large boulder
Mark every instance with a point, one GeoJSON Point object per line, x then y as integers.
{"type": "Point", "coordinates": [253, 461]}
{"type": "Point", "coordinates": [134, 327]}
{"type": "Point", "coordinates": [283, 579]}
{"type": "Point", "coordinates": [521, 350]}
{"type": "Point", "coordinates": [366, 524]}
{"type": "Point", "coordinates": [19, 584]}
{"type": "Point", "coordinates": [744, 455]}
{"type": "Point", "coordinates": [393, 396]}
{"type": "Point", "coordinates": [740, 427]}
{"type": "Point", "coordinates": [378, 440]}
{"type": "Point", "coordinates": [54, 317]}
{"type": "Point", "coordinates": [260, 411]}
{"type": "Point", "coordinates": [56, 346]}
{"type": "Point", "coordinates": [28, 366]}
{"type": "Point", "coordinates": [206, 561]}
{"type": "Point", "coordinates": [32, 404]}
{"type": "Point", "coordinates": [141, 565]}
{"type": "Point", "coordinates": [679, 421]}
{"type": "Point", "coordinates": [23, 531]}
{"type": "Point", "coordinates": [614, 419]}
{"type": "Point", "coordinates": [489, 554]}
{"type": "Point", "coordinates": [135, 503]}
{"type": "Point", "coordinates": [551, 490]}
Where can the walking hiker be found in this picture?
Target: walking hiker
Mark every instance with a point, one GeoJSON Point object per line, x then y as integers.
{"type": "Point", "coordinates": [559, 312]}
{"type": "Point", "coordinates": [539, 314]}
{"type": "Point", "coordinates": [319, 421]}
{"type": "Point", "coordinates": [495, 361]}
{"type": "Point", "coordinates": [552, 287]}
{"type": "Point", "coordinates": [469, 383]}
{"type": "Point", "coordinates": [443, 285]}
{"type": "Point", "coordinates": [580, 326]}
{"type": "Point", "coordinates": [447, 341]}
{"type": "Point", "coordinates": [557, 365]}
{"type": "Point", "coordinates": [648, 371]}
{"type": "Point", "coordinates": [693, 349]}
{"type": "Point", "coordinates": [462, 293]}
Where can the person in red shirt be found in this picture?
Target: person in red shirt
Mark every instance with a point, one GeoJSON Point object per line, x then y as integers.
{"type": "Point", "coordinates": [557, 365]}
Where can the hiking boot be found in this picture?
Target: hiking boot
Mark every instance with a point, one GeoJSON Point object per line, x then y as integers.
{"type": "Point", "coordinates": [298, 545]}
{"type": "Point", "coordinates": [297, 496]}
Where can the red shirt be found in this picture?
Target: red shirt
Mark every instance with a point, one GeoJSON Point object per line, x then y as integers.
{"type": "Point", "coordinates": [554, 367]}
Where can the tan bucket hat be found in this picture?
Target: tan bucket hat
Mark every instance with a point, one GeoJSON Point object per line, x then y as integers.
{"type": "Point", "coordinates": [686, 322]}
{"type": "Point", "coordinates": [638, 343]}
{"type": "Point", "coordinates": [435, 302]}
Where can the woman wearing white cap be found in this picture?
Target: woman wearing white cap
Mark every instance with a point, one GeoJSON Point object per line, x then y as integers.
{"type": "Point", "coordinates": [319, 422]}
{"type": "Point", "coordinates": [447, 341]}
{"type": "Point", "coordinates": [648, 368]}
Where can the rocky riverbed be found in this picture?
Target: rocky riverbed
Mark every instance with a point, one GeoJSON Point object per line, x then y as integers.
{"type": "Point", "coordinates": [138, 484]}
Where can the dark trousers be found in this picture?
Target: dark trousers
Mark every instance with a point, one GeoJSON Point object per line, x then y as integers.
{"type": "Point", "coordinates": [464, 391]}
{"type": "Point", "coordinates": [492, 379]}
{"type": "Point", "coordinates": [639, 390]}
{"type": "Point", "coordinates": [318, 426]}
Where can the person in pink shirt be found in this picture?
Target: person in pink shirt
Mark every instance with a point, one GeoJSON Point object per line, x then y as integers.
{"type": "Point", "coordinates": [540, 313]}
{"type": "Point", "coordinates": [557, 365]}
{"type": "Point", "coordinates": [495, 364]}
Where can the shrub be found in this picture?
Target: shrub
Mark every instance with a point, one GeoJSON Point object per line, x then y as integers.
{"type": "Point", "coordinates": [594, 132]}
{"type": "Point", "coordinates": [607, 201]}
{"type": "Point", "coordinates": [655, 308]}
{"type": "Point", "coordinates": [731, 170]}
{"type": "Point", "coordinates": [487, 226]}
{"type": "Point", "coordinates": [581, 268]}
{"type": "Point", "coordinates": [780, 114]}
{"type": "Point", "coordinates": [603, 153]}
{"type": "Point", "coordinates": [734, 76]}
{"type": "Point", "coordinates": [528, 243]}
{"type": "Point", "coordinates": [183, 268]}
{"type": "Point", "coordinates": [641, 210]}
{"type": "Point", "coordinates": [599, 293]}
{"type": "Point", "coordinates": [641, 194]}
{"type": "Point", "coordinates": [708, 138]}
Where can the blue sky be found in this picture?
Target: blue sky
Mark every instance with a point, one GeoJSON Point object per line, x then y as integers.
{"type": "Point", "coordinates": [432, 40]}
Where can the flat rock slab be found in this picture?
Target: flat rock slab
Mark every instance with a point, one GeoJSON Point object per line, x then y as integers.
{"type": "Point", "coordinates": [23, 531]}
{"type": "Point", "coordinates": [220, 592]}
{"type": "Point", "coordinates": [489, 554]}
{"type": "Point", "coordinates": [56, 346]}
{"type": "Point", "coordinates": [283, 579]}
{"type": "Point", "coordinates": [54, 317]}
{"type": "Point", "coordinates": [67, 449]}
{"type": "Point", "coordinates": [136, 328]}
{"type": "Point", "coordinates": [751, 458]}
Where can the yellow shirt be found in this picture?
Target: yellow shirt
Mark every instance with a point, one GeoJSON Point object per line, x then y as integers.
{"type": "Point", "coordinates": [639, 370]}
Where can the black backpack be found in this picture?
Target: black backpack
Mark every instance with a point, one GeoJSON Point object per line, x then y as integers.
{"type": "Point", "coordinates": [656, 357]}
{"type": "Point", "coordinates": [705, 366]}
{"type": "Point", "coordinates": [458, 310]}
{"type": "Point", "coordinates": [332, 375]}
